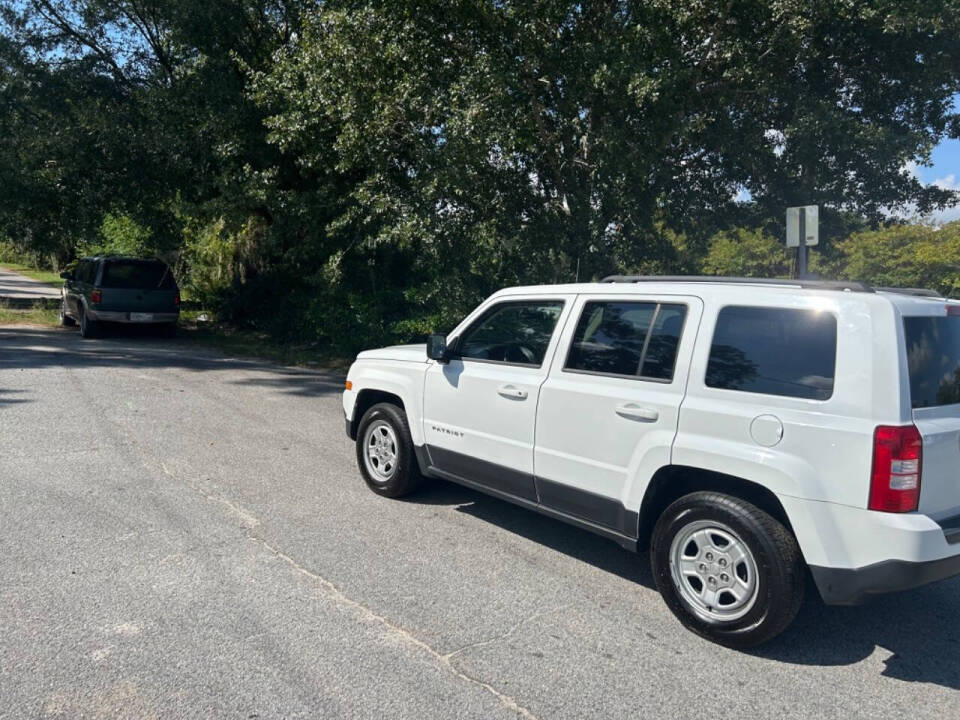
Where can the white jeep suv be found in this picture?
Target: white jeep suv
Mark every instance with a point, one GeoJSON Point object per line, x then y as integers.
{"type": "Point", "coordinates": [752, 433]}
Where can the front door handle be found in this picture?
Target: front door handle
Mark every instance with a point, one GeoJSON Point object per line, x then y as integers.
{"type": "Point", "coordinates": [514, 393]}
{"type": "Point", "coordinates": [635, 412]}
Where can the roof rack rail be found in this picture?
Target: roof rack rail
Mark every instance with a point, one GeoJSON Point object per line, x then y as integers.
{"type": "Point", "coordinates": [919, 292]}
{"type": "Point", "coordinates": [807, 284]}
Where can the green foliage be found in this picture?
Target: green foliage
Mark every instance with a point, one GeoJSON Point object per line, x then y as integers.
{"type": "Point", "coordinates": [748, 253]}
{"type": "Point", "coordinates": [10, 253]}
{"type": "Point", "coordinates": [903, 256]}
{"type": "Point", "coordinates": [121, 235]}
{"type": "Point", "coordinates": [210, 256]}
{"type": "Point", "coordinates": [897, 255]}
{"type": "Point", "coordinates": [353, 173]}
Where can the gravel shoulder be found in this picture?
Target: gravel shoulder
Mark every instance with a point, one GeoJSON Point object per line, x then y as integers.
{"type": "Point", "coordinates": [19, 286]}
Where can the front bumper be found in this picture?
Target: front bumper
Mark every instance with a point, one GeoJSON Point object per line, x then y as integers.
{"type": "Point", "coordinates": [132, 318]}
{"type": "Point", "coordinates": [842, 586]}
{"type": "Point", "coordinates": [347, 401]}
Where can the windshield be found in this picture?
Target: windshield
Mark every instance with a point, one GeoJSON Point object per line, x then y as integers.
{"type": "Point", "coordinates": [933, 357]}
{"type": "Point", "coordinates": [138, 275]}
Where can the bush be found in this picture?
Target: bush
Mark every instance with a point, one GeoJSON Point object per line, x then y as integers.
{"type": "Point", "coordinates": [10, 253]}
{"type": "Point", "coordinates": [121, 235]}
{"type": "Point", "coordinates": [923, 256]}
{"type": "Point", "coordinates": [743, 252]}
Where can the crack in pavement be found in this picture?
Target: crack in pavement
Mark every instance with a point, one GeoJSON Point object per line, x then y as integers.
{"type": "Point", "coordinates": [508, 633]}
{"type": "Point", "coordinates": [444, 660]}
{"type": "Point", "coordinates": [247, 519]}
{"type": "Point", "coordinates": [250, 522]}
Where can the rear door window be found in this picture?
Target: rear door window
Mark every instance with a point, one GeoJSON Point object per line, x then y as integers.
{"type": "Point", "coordinates": [630, 339]}
{"type": "Point", "coordinates": [137, 275]}
{"type": "Point", "coordinates": [933, 359]}
{"type": "Point", "coordinates": [775, 351]}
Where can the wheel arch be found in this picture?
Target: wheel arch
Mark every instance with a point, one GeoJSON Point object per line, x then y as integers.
{"type": "Point", "coordinates": [366, 399]}
{"type": "Point", "coordinates": [672, 482]}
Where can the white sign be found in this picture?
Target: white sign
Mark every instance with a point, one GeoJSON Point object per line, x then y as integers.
{"type": "Point", "coordinates": [811, 221]}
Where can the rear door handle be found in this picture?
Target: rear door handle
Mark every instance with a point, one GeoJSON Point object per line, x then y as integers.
{"type": "Point", "coordinates": [509, 391]}
{"type": "Point", "coordinates": [630, 410]}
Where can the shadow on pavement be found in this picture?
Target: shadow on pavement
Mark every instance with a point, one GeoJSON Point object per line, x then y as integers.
{"type": "Point", "coordinates": [4, 400]}
{"type": "Point", "coordinates": [920, 627]}
{"type": "Point", "coordinates": [37, 348]}
{"type": "Point", "coordinates": [555, 534]}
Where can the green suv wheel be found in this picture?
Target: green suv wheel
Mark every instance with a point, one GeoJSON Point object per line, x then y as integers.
{"type": "Point", "coordinates": [88, 328]}
{"type": "Point", "coordinates": [65, 320]}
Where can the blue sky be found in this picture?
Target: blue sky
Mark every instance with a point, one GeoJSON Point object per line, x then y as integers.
{"type": "Point", "coordinates": [946, 160]}
{"type": "Point", "coordinates": [944, 170]}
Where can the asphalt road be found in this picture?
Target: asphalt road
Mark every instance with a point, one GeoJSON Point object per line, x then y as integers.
{"type": "Point", "coordinates": [15, 285]}
{"type": "Point", "coordinates": [186, 535]}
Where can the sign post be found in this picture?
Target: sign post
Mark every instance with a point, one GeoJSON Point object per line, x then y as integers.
{"type": "Point", "coordinates": [802, 232]}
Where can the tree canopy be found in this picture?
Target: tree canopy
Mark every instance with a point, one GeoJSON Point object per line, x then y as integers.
{"type": "Point", "coordinates": [345, 171]}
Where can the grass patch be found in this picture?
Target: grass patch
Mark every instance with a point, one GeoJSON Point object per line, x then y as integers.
{"type": "Point", "coordinates": [33, 316]}
{"type": "Point", "coordinates": [45, 276]}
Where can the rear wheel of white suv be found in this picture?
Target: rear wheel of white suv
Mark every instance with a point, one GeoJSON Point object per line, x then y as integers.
{"type": "Point", "coordinates": [729, 571]}
{"type": "Point", "coordinates": [385, 452]}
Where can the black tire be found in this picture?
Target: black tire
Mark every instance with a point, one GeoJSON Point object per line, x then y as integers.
{"type": "Point", "coordinates": [403, 475]}
{"type": "Point", "coordinates": [88, 328]}
{"type": "Point", "coordinates": [65, 320]}
{"type": "Point", "coordinates": [780, 573]}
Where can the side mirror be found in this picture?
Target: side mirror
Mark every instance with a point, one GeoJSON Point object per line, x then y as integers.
{"type": "Point", "coordinates": [437, 348]}
{"type": "Point", "coordinates": [66, 275]}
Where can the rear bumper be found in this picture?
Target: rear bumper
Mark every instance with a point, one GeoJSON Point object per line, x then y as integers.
{"type": "Point", "coordinates": [854, 552]}
{"type": "Point", "coordinates": [842, 586]}
{"type": "Point", "coordinates": [125, 317]}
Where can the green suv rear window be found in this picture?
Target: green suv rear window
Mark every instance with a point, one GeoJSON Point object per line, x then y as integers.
{"type": "Point", "coordinates": [137, 275]}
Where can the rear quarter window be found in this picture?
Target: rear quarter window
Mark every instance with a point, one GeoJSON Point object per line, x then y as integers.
{"type": "Point", "coordinates": [86, 271]}
{"type": "Point", "coordinates": [774, 351]}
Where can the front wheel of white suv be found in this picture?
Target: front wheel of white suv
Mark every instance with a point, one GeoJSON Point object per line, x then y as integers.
{"type": "Point", "coordinates": [385, 452]}
{"type": "Point", "coordinates": [729, 571]}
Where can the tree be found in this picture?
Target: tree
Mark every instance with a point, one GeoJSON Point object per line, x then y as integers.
{"type": "Point", "coordinates": [747, 253]}
{"type": "Point", "coordinates": [920, 256]}
{"type": "Point", "coordinates": [343, 171]}
{"type": "Point", "coordinates": [573, 128]}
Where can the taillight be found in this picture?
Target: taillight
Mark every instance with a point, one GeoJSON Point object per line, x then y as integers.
{"type": "Point", "coordinates": [176, 299]}
{"type": "Point", "coordinates": [96, 296]}
{"type": "Point", "coordinates": [897, 465]}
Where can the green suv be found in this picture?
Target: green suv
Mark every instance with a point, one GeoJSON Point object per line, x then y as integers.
{"type": "Point", "coordinates": [110, 289]}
